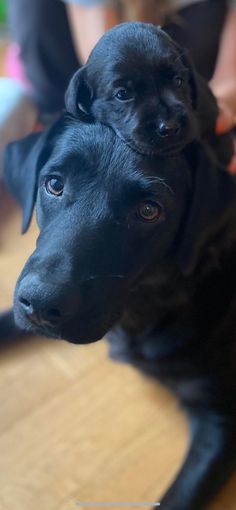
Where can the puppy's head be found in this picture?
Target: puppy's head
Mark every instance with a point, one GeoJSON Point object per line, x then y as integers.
{"type": "Point", "coordinates": [107, 217]}
{"type": "Point", "coordinates": [139, 82]}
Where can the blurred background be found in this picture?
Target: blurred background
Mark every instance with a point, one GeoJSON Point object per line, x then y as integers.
{"type": "Point", "coordinates": [50, 39]}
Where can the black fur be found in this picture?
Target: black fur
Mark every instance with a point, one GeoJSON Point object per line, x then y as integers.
{"type": "Point", "coordinates": [159, 116]}
{"type": "Point", "coordinates": [164, 290]}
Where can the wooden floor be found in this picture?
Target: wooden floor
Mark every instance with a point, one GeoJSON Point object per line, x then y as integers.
{"type": "Point", "coordinates": [76, 427]}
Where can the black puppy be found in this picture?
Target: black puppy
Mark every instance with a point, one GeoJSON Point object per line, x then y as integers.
{"type": "Point", "coordinates": [145, 248]}
{"type": "Point", "coordinates": [142, 84]}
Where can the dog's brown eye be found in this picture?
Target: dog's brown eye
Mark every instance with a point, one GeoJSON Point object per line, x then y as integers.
{"type": "Point", "coordinates": [54, 186]}
{"type": "Point", "coordinates": [148, 211]}
{"type": "Point", "coordinates": [178, 81]}
{"type": "Point", "coordinates": [124, 94]}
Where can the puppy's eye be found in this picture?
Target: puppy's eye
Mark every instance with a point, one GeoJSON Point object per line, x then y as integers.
{"type": "Point", "coordinates": [178, 81]}
{"type": "Point", "coordinates": [148, 211]}
{"type": "Point", "coordinates": [124, 94]}
{"type": "Point", "coordinates": [54, 186]}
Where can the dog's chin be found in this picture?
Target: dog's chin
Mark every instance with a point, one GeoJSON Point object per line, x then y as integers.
{"type": "Point", "coordinates": [81, 339]}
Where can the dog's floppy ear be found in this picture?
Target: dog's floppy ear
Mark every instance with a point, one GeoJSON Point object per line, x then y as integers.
{"type": "Point", "coordinates": [21, 165]}
{"type": "Point", "coordinates": [22, 162]}
{"type": "Point", "coordinates": [210, 207]}
{"type": "Point", "coordinates": [79, 95]}
{"type": "Point", "coordinates": [203, 101]}
{"type": "Point", "coordinates": [205, 106]}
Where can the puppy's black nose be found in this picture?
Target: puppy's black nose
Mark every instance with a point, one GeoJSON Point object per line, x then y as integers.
{"type": "Point", "coordinates": [170, 128]}
{"type": "Point", "coordinates": [40, 317]}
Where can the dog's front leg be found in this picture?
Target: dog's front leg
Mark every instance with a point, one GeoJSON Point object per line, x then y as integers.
{"type": "Point", "coordinates": [8, 329]}
{"type": "Point", "coordinates": [210, 460]}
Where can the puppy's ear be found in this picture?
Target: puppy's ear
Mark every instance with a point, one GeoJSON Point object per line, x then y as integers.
{"type": "Point", "coordinates": [210, 208]}
{"type": "Point", "coordinates": [79, 95]}
{"type": "Point", "coordinates": [203, 101]}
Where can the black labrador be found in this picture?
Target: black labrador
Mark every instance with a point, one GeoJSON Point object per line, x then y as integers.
{"type": "Point", "coordinates": [138, 81]}
{"type": "Point", "coordinates": [142, 249]}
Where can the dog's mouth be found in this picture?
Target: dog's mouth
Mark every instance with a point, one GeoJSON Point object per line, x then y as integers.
{"type": "Point", "coordinates": [74, 332]}
{"type": "Point", "coordinates": [153, 146]}
{"type": "Point", "coordinates": [83, 328]}
{"type": "Point", "coordinates": [152, 149]}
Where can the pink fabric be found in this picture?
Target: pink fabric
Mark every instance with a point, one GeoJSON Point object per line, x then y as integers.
{"type": "Point", "coordinates": [14, 67]}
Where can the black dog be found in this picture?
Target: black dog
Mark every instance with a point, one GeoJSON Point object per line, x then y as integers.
{"type": "Point", "coordinates": [145, 248]}
{"type": "Point", "coordinates": [142, 84]}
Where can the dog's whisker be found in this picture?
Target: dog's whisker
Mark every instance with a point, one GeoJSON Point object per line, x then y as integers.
{"type": "Point", "coordinates": [96, 277]}
{"type": "Point", "coordinates": [182, 54]}
{"type": "Point", "coordinates": [154, 179]}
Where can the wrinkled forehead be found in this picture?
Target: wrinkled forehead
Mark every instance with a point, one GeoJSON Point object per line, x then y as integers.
{"type": "Point", "coordinates": [89, 150]}
{"type": "Point", "coordinates": [98, 160]}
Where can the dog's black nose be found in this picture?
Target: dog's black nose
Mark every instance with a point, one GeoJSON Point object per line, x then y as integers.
{"type": "Point", "coordinates": [170, 128]}
{"type": "Point", "coordinates": [40, 317]}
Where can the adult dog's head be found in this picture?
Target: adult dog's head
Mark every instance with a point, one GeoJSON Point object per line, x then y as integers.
{"type": "Point", "coordinates": [107, 217]}
{"type": "Point", "coordinates": [140, 83]}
